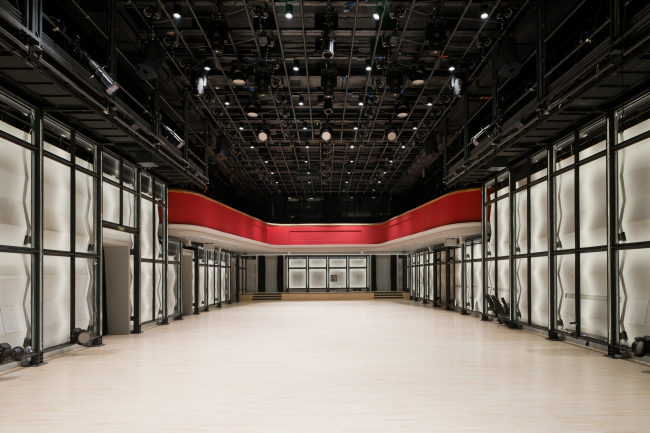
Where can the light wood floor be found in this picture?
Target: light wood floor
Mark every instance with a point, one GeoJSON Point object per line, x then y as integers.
{"type": "Point", "coordinates": [350, 366]}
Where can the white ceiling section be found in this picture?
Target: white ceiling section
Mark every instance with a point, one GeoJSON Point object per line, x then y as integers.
{"type": "Point", "coordinates": [239, 244]}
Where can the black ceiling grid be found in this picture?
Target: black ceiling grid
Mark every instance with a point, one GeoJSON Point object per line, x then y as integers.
{"type": "Point", "coordinates": [587, 71]}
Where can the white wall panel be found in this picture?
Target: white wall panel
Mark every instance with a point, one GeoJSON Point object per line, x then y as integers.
{"type": "Point", "coordinates": [56, 206]}
{"type": "Point", "coordinates": [56, 300]}
{"type": "Point", "coordinates": [15, 194]}
{"type": "Point", "coordinates": [84, 280]}
{"type": "Point", "coordinates": [271, 274]}
{"type": "Point", "coordinates": [15, 298]}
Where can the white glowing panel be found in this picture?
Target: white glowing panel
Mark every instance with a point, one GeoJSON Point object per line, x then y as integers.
{"type": "Point", "coordinates": [146, 229]}
{"type": "Point", "coordinates": [478, 287]}
{"type": "Point", "coordinates": [111, 201]}
{"type": "Point", "coordinates": [15, 297]}
{"type": "Point", "coordinates": [56, 300]}
{"type": "Point", "coordinates": [83, 292]}
{"type": "Point", "coordinates": [159, 290]}
{"type": "Point", "coordinates": [593, 294]}
{"type": "Point", "coordinates": [56, 206]}
{"type": "Point", "coordinates": [538, 218]}
{"type": "Point", "coordinates": [146, 292]}
{"type": "Point", "coordinates": [297, 263]}
{"type": "Point", "coordinates": [357, 262]}
{"type": "Point", "coordinates": [317, 278]}
{"type": "Point", "coordinates": [84, 213]}
{"type": "Point", "coordinates": [539, 291]}
{"type": "Point", "coordinates": [593, 203]}
{"type": "Point", "coordinates": [565, 289]}
{"type": "Point", "coordinates": [634, 280]}
{"type": "Point", "coordinates": [521, 287]}
{"type": "Point", "coordinates": [297, 279]}
{"type": "Point", "coordinates": [358, 278]}
{"type": "Point", "coordinates": [338, 262]}
{"type": "Point", "coordinates": [211, 284]}
{"type": "Point", "coordinates": [634, 189]}
{"type": "Point", "coordinates": [339, 281]}
{"type": "Point", "coordinates": [317, 262]}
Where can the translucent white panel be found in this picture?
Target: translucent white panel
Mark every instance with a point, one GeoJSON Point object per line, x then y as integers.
{"type": "Point", "coordinates": [297, 263]}
{"type": "Point", "coordinates": [539, 291]}
{"type": "Point", "coordinates": [503, 282]}
{"type": "Point", "coordinates": [317, 279]}
{"type": "Point", "coordinates": [172, 282]}
{"type": "Point", "coordinates": [201, 300]}
{"type": "Point", "coordinates": [521, 290]}
{"type": "Point", "coordinates": [159, 232]}
{"type": "Point", "coordinates": [491, 278]}
{"type": "Point", "coordinates": [634, 291]}
{"type": "Point", "coordinates": [442, 272]}
{"type": "Point", "coordinates": [111, 203]}
{"type": "Point", "coordinates": [538, 218]}
{"type": "Point", "coordinates": [635, 130]}
{"type": "Point", "coordinates": [15, 298]}
{"type": "Point", "coordinates": [457, 254]}
{"type": "Point", "coordinates": [159, 290]}
{"type": "Point", "coordinates": [15, 194]}
{"type": "Point", "coordinates": [430, 275]}
{"type": "Point", "coordinates": [634, 191]}
{"type": "Point", "coordinates": [478, 287]}
{"type": "Point", "coordinates": [492, 221]}
{"type": "Point", "coordinates": [566, 298]}
{"type": "Point", "coordinates": [521, 223]}
{"type": "Point", "coordinates": [12, 130]}
{"type": "Point", "coordinates": [338, 278]}
{"type": "Point", "coordinates": [593, 204]}
{"type": "Point", "coordinates": [56, 300]}
{"type": "Point", "coordinates": [338, 262]}
{"type": "Point", "coordinates": [146, 229]}
{"type": "Point", "coordinates": [211, 285]}
{"type": "Point", "coordinates": [317, 262]}
{"type": "Point", "coordinates": [146, 292]}
{"type": "Point", "coordinates": [225, 275]}
{"type": "Point", "coordinates": [593, 294]}
{"type": "Point", "coordinates": [128, 209]}
{"type": "Point", "coordinates": [56, 206]}
{"type": "Point", "coordinates": [297, 279]}
{"type": "Point", "coordinates": [467, 289]}
{"type": "Point", "coordinates": [357, 262]}
{"type": "Point", "coordinates": [478, 250]}
{"type": "Point", "coordinates": [592, 150]}
{"type": "Point", "coordinates": [84, 214]}
{"type": "Point", "coordinates": [358, 278]}
{"type": "Point", "coordinates": [565, 210]}
{"type": "Point", "coordinates": [83, 292]}
{"type": "Point", "coordinates": [503, 227]}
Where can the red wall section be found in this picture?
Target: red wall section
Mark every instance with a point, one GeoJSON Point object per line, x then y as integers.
{"type": "Point", "coordinates": [195, 209]}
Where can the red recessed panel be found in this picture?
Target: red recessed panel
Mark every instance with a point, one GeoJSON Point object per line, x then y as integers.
{"type": "Point", "coordinates": [195, 209]}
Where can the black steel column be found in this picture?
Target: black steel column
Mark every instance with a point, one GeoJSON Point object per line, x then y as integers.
{"type": "Point", "coordinates": [541, 50]}
{"type": "Point", "coordinates": [576, 214]}
{"type": "Point", "coordinates": [484, 243]}
{"type": "Point", "coordinates": [550, 230]}
{"type": "Point", "coordinates": [37, 242]}
{"type": "Point", "coordinates": [97, 246]}
{"type": "Point", "coordinates": [528, 245]}
{"type": "Point", "coordinates": [73, 225]}
{"type": "Point", "coordinates": [612, 236]}
{"type": "Point", "coordinates": [463, 280]}
{"type": "Point", "coordinates": [511, 250]}
{"type": "Point", "coordinates": [261, 273]}
{"type": "Point", "coordinates": [373, 273]}
{"type": "Point", "coordinates": [197, 269]}
{"type": "Point", "coordinates": [237, 279]}
{"type": "Point", "coordinates": [137, 257]}
{"type": "Point", "coordinates": [165, 253]}
{"type": "Point", "coordinates": [447, 278]}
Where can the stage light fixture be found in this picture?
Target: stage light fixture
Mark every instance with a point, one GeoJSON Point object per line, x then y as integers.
{"type": "Point", "coordinates": [326, 132]}
{"type": "Point", "coordinates": [418, 76]}
{"type": "Point", "coordinates": [391, 133]}
{"type": "Point", "coordinates": [171, 135]}
{"type": "Point", "coordinates": [226, 100]}
{"type": "Point", "coordinates": [301, 100]}
{"type": "Point", "coordinates": [360, 100]}
{"type": "Point", "coordinates": [80, 336]}
{"type": "Point", "coordinates": [368, 65]}
{"type": "Point", "coordinates": [429, 101]}
{"type": "Point", "coordinates": [452, 65]}
{"type": "Point", "coordinates": [485, 9]}
{"type": "Point", "coordinates": [241, 126]}
{"type": "Point", "coordinates": [253, 108]}
{"type": "Point", "coordinates": [263, 134]}
{"type": "Point", "coordinates": [458, 83]}
{"type": "Point", "coordinates": [415, 126]}
{"type": "Point", "coordinates": [328, 43]}
{"type": "Point", "coordinates": [262, 79]}
{"type": "Point", "coordinates": [379, 11]}
{"type": "Point", "coordinates": [328, 81]}
{"type": "Point", "coordinates": [641, 346]}
{"type": "Point", "coordinates": [402, 108]}
{"type": "Point", "coordinates": [506, 61]}
{"type": "Point", "coordinates": [436, 36]}
{"type": "Point", "coordinates": [252, 146]}
{"type": "Point", "coordinates": [356, 126]}
{"type": "Point", "coordinates": [154, 57]}
{"type": "Point", "coordinates": [98, 72]}
{"type": "Point", "coordinates": [296, 65]}
{"type": "Point", "coordinates": [394, 80]}
{"type": "Point", "coordinates": [177, 10]}
{"type": "Point", "coordinates": [200, 79]}
{"type": "Point", "coordinates": [238, 74]}
{"type": "Point", "coordinates": [217, 32]}
{"type": "Point", "coordinates": [207, 65]}
{"type": "Point", "coordinates": [352, 146]}
{"type": "Point", "coordinates": [304, 125]}
{"type": "Point", "coordinates": [288, 11]}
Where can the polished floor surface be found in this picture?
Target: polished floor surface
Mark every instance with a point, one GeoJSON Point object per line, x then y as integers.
{"type": "Point", "coordinates": [338, 366]}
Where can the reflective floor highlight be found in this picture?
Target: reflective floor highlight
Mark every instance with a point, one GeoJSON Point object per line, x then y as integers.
{"type": "Point", "coordinates": [336, 366]}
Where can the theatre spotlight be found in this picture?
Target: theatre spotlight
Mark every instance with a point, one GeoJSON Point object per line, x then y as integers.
{"type": "Point", "coordinates": [391, 133]}
{"type": "Point", "coordinates": [296, 65]}
{"type": "Point", "coordinates": [263, 134]}
{"type": "Point", "coordinates": [217, 33]}
{"type": "Point", "coordinates": [199, 78]}
{"type": "Point", "coordinates": [80, 336]}
{"type": "Point", "coordinates": [328, 107]}
{"type": "Point", "coordinates": [506, 61]}
{"type": "Point", "coordinates": [176, 11]}
{"type": "Point", "coordinates": [458, 83]}
{"type": "Point", "coordinates": [328, 43]}
{"type": "Point", "coordinates": [238, 74]}
{"type": "Point", "coordinates": [402, 108]}
{"type": "Point", "coordinates": [429, 101]}
{"type": "Point", "coordinates": [360, 100]}
{"type": "Point", "coordinates": [174, 137]}
{"type": "Point", "coordinates": [328, 81]}
{"type": "Point", "coordinates": [154, 57]}
{"type": "Point", "coordinates": [207, 65]}
{"type": "Point", "coordinates": [641, 346]}
{"type": "Point", "coordinates": [395, 79]}
{"type": "Point", "coordinates": [304, 125]}
{"type": "Point", "coordinates": [241, 126]}
{"type": "Point", "coordinates": [326, 132]}
{"type": "Point", "coordinates": [368, 65]}
{"type": "Point", "coordinates": [436, 36]}
{"type": "Point", "coordinates": [301, 100]}
{"type": "Point", "coordinates": [253, 108]}
{"type": "Point", "coordinates": [379, 11]}
{"type": "Point", "coordinates": [485, 9]}
{"type": "Point", "coordinates": [98, 72]}
{"type": "Point", "coordinates": [418, 75]}
{"type": "Point", "coordinates": [288, 11]}
{"type": "Point", "coordinates": [262, 79]}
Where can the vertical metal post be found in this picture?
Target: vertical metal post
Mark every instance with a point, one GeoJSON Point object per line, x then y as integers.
{"type": "Point", "coordinates": [112, 40]}
{"type": "Point", "coordinates": [528, 245]}
{"type": "Point", "coordinates": [541, 50]}
{"type": "Point", "coordinates": [137, 258]}
{"type": "Point", "coordinates": [484, 245]}
{"type": "Point", "coordinates": [165, 252]}
{"type": "Point", "coordinates": [613, 308]}
{"type": "Point", "coordinates": [576, 214]}
{"type": "Point", "coordinates": [237, 282]}
{"type": "Point", "coordinates": [466, 127]}
{"type": "Point", "coordinates": [206, 144]}
{"type": "Point", "coordinates": [447, 279]}
{"type": "Point", "coordinates": [98, 248]}
{"type": "Point", "coordinates": [37, 241]}
{"type": "Point", "coordinates": [34, 17]}
{"type": "Point", "coordinates": [463, 280]}
{"type": "Point", "coordinates": [73, 225]}
{"type": "Point", "coordinates": [552, 269]}
{"type": "Point", "coordinates": [197, 270]}
{"type": "Point", "coordinates": [511, 250]}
